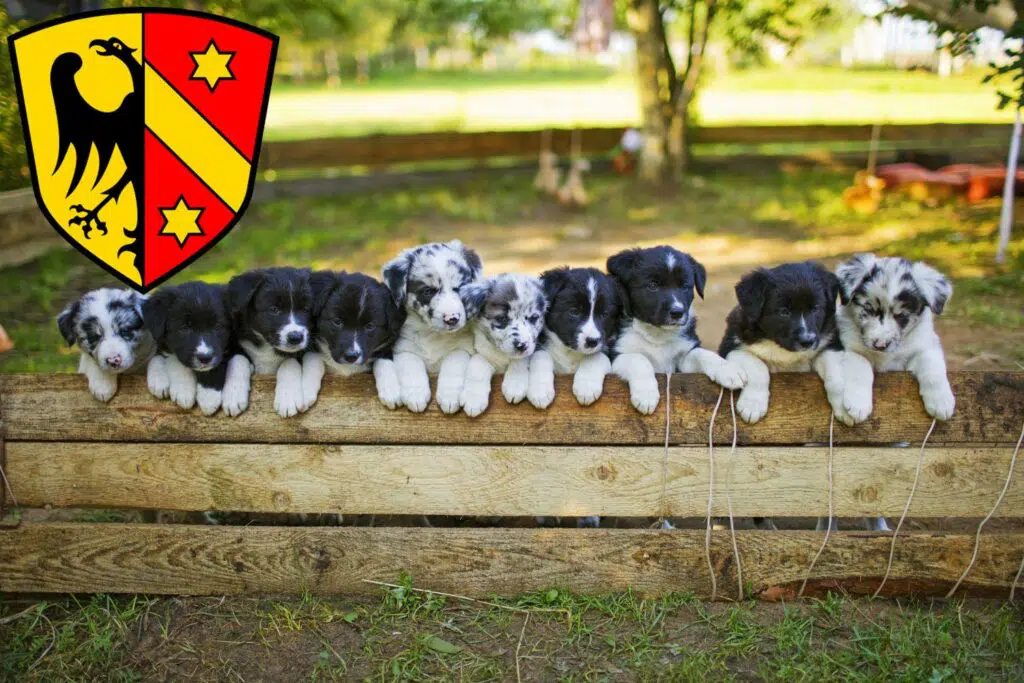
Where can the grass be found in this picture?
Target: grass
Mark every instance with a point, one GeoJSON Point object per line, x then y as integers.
{"type": "Point", "coordinates": [404, 635]}
{"type": "Point", "coordinates": [732, 218]}
{"type": "Point", "coordinates": [591, 96]}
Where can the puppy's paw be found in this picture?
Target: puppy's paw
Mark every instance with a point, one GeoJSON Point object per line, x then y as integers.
{"type": "Point", "coordinates": [752, 404]}
{"type": "Point", "coordinates": [939, 402]}
{"type": "Point", "coordinates": [541, 392]}
{"type": "Point", "coordinates": [587, 387]}
{"type": "Point", "coordinates": [515, 385]}
{"type": "Point", "coordinates": [156, 377]}
{"type": "Point", "coordinates": [416, 397]}
{"type": "Point", "coordinates": [644, 395]}
{"type": "Point", "coordinates": [389, 391]}
{"type": "Point", "coordinates": [103, 387]}
{"type": "Point", "coordinates": [183, 392]}
{"type": "Point", "coordinates": [288, 397]}
{"type": "Point", "coordinates": [235, 399]}
{"type": "Point", "coordinates": [209, 400]}
{"type": "Point", "coordinates": [857, 403]}
{"type": "Point", "coordinates": [448, 397]}
{"type": "Point", "coordinates": [475, 397]}
{"type": "Point", "coordinates": [728, 375]}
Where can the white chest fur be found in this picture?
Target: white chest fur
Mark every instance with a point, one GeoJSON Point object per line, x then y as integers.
{"type": "Point", "coordinates": [265, 359]}
{"type": "Point", "coordinates": [564, 359]}
{"type": "Point", "coordinates": [662, 346]}
{"type": "Point", "coordinates": [432, 346]}
{"type": "Point", "coordinates": [491, 353]}
{"type": "Point", "coordinates": [779, 359]}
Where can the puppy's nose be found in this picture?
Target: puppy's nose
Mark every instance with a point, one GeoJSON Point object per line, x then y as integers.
{"type": "Point", "coordinates": [204, 356]}
{"type": "Point", "coordinates": [350, 356]}
{"type": "Point", "coordinates": [807, 339]}
{"type": "Point", "coordinates": [295, 337]}
{"type": "Point", "coordinates": [451, 320]}
{"type": "Point", "coordinates": [114, 361]}
{"type": "Point", "coordinates": [880, 345]}
{"type": "Point", "coordinates": [676, 313]}
{"type": "Point", "coordinates": [591, 342]}
{"type": "Point", "coordinates": [519, 345]}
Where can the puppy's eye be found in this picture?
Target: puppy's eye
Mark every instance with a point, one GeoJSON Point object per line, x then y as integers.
{"type": "Point", "coordinates": [574, 312]}
{"type": "Point", "coordinates": [370, 327]}
{"type": "Point", "coordinates": [784, 312]}
{"type": "Point", "coordinates": [337, 320]}
{"type": "Point", "coordinates": [652, 286]}
{"type": "Point", "coordinates": [274, 310]}
{"type": "Point", "coordinates": [902, 319]}
{"type": "Point", "coordinates": [428, 291]}
{"type": "Point", "coordinates": [533, 319]}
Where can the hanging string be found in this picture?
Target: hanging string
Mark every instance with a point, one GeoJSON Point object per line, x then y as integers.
{"type": "Point", "coordinates": [1016, 579]}
{"type": "Point", "coordinates": [906, 509]}
{"type": "Point", "coordinates": [728, 499]}
{"type": "Point", "coordinates": [711, 494]}
{"type": "Point", "coordinates": [828, 529]}
{"type": "Point", "coordinates": [664, 459]}
{"type": "Point", "coordinates": [977, 535]}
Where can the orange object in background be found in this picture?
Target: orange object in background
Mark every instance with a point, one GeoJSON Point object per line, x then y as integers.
{"type": "Point", "coordinates": [974, 181]}
{"type": "Point", "coordinates": [5, 342]}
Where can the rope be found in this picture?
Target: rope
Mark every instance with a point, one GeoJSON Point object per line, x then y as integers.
{"type": "Point", "coordinates": [664, 459]}
{"type": "Point", "coordinates": [828, 529]}
{"type": "Point", "coordinates": [6, 484]}
{"type": "Point", "coordinates": [1016, 579]}
{"type": "Point", "coordinates": [728, 499]}
{"type": "Point", "coordinates": [977, 535]}
{"type": "Point", "coordinates": [906, 509]}
{"type": "Point", "coordinates": [711, 494]}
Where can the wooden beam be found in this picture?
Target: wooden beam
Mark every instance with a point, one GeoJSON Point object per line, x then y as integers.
{"type": "Point", "coordinates": [508, 480]}
{"type": "Point", "coordinates": [375, 150]}
{"type": "Point", "coordinates": [990, 410]}
{"type": "Point", "coordinates": [198, 560]}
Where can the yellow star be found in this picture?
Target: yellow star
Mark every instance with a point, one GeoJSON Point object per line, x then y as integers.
{"type": "Point", "coordinates": [212, 66]}
{"type": "Point", "coordinates": [182, 221]}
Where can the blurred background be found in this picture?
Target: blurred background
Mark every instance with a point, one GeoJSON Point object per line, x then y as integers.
{"type": "Point", "coordinates": [393, 122]}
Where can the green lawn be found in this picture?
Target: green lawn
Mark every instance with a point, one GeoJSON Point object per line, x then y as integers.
{"type": "Point", "coordinates": [474, 100]}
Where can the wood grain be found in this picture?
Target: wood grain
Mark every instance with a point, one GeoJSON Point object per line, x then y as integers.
{"type": "Point", "coordinates": [376, 150]}
{"type": "Point", "coordinates": [990, 410]}
{"type": "Point", "coordinates": [508, 481]}
{"type": "Point", "coordinates": [191, 560]}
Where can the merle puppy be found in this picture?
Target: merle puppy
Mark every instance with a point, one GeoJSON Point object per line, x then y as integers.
{"type": "Point", "coordinates": [194, 364]}
{"type": "Point", "coordinates": [887, 322]}
{"type": "Point", "coordinates": [659, 329]}
{"type": "Point", "coordinates": [107, 326]}
{"type": "Point", "coordinates": [432, 282]}
{"type": "Point", "coordinates": [357, 325]}
{"type": "Point", "coordinates": [271, 315]}
{"type": "Point", "coordinates": [785, 322]}
{"type": "Point", "coordinates": [584, 308]}
{"type": "Point", "coordinates": [505, 336]}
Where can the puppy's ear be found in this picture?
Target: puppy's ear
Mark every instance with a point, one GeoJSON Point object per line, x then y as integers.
{"type": "Point", "coordinates": [395, 274]}
{"type": "Point", "coordinates": [852, 273]}
{"type": "Point", "coordinates": [933, 285]}
{"type": "Point", "coordinates": [552, 281]}
{"type": "Point", "coordinates": [831, 282]}
{"type": "Point", "coordinates": [155, 311]}
{"type": "Point", "coordinates": [700, 275]}
{"type": "Point", "coordinates": [322, 284]}
{"type": "Point", "coordinates": [241, 290]}
{"type": "Point", "coordinates": [622, 295]}
{"type": "Point", "coordinates": [621, 265]}
{"type": "Point", "coordinates": [136, 301]}
{"type": "Point", "coordinates": [66, 322]}
{"type": "Point", "coordinates": [476, 266]}
{"type": "Point", "coordinates": [751, 292]}
{"type": "Point", "coordinates": [474, 296]}
{"type": "Point", "coordinates": [393, 313]}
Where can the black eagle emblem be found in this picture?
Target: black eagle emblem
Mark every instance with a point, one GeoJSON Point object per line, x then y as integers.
{"type": "Point", "coordinates": [82, 127]}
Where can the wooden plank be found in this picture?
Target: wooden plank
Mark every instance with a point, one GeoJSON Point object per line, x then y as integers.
{"type": "Point", "coordinates": [417, 147]}
{"type": "Point", "coordinates": [508, 480]}
{"type": "Point", "coordinates": [990, 410]}
{"type": "Point", "coordinates": [197, 560]}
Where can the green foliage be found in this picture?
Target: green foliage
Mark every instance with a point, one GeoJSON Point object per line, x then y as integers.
{"type": "Point", "coordinates": [13, 162]}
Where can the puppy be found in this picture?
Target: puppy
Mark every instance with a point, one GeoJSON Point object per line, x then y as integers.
{"type": "Point", "coordinates": [432, 282]}
{"type": "Point", "coordinates": [505, 336]}
{"type": "Point", "coordinates": [887, 322]}
{"type": "Point", "coordinates": [581, 325]}
{"type": "Point", "coordinates": [785, 322]}
{"type": "Point", "coordinates": [357, 325]}
{"type": "Point", "coordinates": [271, 315]}
{"type": "Point", "coordinates": [659, 330]}
{"type": "Point", "coordinates": [192, 329]}
{"type": "Point", "coordinates": [107, 326]}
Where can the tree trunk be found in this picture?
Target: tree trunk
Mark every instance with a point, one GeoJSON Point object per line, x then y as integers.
{"type": "Point", "coordinates": [656, 78]}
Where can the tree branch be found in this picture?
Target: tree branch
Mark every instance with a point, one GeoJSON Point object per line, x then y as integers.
{"type": "Point", "coordinates": [999, 15]}
{"type": "Point", "coordinates": [695, 63]}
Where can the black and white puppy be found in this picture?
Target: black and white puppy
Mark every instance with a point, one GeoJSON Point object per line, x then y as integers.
{"type": "Point", "coordinates": [887, 322]}
{"type": "Point", "coordinates": [785, 322]}
{"type": "Point", "coordinates": [107, 326]}
{"type": "Point", "coordinates": [582, 322]}
{"type": "Point", "coordinates": [659, 328]}
{"type": "Point", "coordinates": [505, 336]}
{"type": "Point", "coordinates": [432, 282]}
{"type": "Point", "coordinates": [271, 317]}
{"type": "Point", "coordinates": [194, 363]}
{"type": "Point", "coordinates": [357, 325]}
